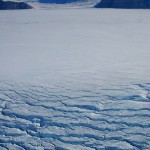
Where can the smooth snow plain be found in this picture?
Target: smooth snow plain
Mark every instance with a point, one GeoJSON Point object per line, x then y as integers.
{"type": "Point", "coordinates": [75, 79]}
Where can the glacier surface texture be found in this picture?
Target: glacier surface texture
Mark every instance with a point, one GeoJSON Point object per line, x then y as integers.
{"type": "Point", "coordinates": [75, 79]}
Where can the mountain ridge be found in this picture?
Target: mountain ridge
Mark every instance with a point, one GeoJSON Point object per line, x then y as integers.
{"type": "Point", "coordinates": [130, 4]}
{"type": "Point", "coordinates": [5, 5]}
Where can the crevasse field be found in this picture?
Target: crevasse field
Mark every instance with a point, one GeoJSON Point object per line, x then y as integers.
{"type": "Point", "coordinates": [75, 79]}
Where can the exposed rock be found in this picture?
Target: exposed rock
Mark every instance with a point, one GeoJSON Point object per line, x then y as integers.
{"type": "Point", "coordinates": [143, 4]}
{"type": "Point", "coordinates": [4, 5]}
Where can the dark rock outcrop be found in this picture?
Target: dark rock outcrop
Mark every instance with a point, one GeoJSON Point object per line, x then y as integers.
{"type": "Point", "coordinates": [4, 5]}
{"type": "Point", "coordinates": [131, 4]}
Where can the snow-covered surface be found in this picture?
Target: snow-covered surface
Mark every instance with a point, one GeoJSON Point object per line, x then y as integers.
{"type": "Point", "coordinates": [46, 4]}
{"type": "Point", "coordinates": [75, 79]}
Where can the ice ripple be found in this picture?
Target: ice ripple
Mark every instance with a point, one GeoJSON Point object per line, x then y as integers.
{"type": "Point", "coordinates": [38, 117]}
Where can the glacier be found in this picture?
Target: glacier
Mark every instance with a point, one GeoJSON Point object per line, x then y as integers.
{"type": "Point", "coordinates": [74, 79]}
